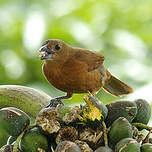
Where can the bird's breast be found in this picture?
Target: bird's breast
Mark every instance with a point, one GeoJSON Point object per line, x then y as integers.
{"type": "Point", "coordinates": [73, 78]}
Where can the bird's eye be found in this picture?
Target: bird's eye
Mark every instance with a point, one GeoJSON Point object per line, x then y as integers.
{"type": "Point", "coordinates": [57, 47]}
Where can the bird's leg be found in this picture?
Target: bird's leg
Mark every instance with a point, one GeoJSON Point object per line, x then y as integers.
{"type": "Point", "coordinates": [92, 93]}
{"type": "Point", "coordinates": [90, 98]}
{"type": "Point", "coordinates": [55, 101]}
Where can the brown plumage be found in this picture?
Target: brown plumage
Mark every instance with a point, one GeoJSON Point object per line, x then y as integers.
{"type": "Point", "coordinates": [76, 70]}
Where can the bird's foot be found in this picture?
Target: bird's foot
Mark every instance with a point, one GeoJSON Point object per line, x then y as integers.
{"type": "Point", "coordinates": [54, 103]}
{"type": "Point", "coordinates": [90, 99]}
{"type": "Point", "coordinates": [91, 94]}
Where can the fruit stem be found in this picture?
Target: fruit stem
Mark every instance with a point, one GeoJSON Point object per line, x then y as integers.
{"type": "Point", "coordinates": [142, 126]}
{"type": "Point", "coordinates": [15, 147]}
{"type": "Point", "coordinates": [105, 133]}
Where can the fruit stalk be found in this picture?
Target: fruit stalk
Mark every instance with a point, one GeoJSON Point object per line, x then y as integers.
{"type": "Point", "coordinates": [105, 133]}
{"type": "Point", "coordinates": [142, 126]}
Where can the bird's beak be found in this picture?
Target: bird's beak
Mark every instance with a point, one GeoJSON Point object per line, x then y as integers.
{"type": "Point", "coordinates": [45, 53]}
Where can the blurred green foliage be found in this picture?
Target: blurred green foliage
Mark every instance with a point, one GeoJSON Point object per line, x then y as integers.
{"type": "Point", "coordinates": [118, 29]}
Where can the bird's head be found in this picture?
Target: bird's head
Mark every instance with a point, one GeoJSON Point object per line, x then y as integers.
{"type": "Point", "coordinates": [53, 49]}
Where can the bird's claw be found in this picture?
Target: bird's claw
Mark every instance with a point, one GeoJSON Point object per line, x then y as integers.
{"type": "Point", "coordinates": [91, 94]}
{"type": "Point", "coordinates": [90, 99]}
{"type": "Point", "coordinates": [54, 103]}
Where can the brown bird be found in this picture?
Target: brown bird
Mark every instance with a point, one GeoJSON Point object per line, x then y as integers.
{"type": "Point", "coordinates": [77, 70]}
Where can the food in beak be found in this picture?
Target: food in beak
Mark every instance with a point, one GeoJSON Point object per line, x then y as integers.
{"type": "Point", "coordinates": [43, 55]}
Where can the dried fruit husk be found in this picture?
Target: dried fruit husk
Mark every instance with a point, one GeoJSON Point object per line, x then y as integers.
{"type": "Point", "coordinates": [32, 140]}
{"type": "Point", "coordinates": [147, 147]}
{"type": "Point", "coordinates": [135, 132]}
{"type": "Point", "coordinates": [48, 120]}
{"type": "Point", "coordinates": [103, 149]}
{"type": "Point", "coordinates": [68, 114]}
{"type": "Point", "coordinates": [13, 120]}
{"type": "Point", "coordinates": [116, 109]}
{"type": "Point", "coordinates": [67, 146]}
{"type": "Point", "coordinates": [143, 111]}
{"type": "Point", "coordinates": [6, 148]}
{"type": "Point", "coordinates": [94, 138]}
{"type": "Point", "coordinates": [67, 133]}
{"type": "Point", "coordinates": [121, 128]}
{"type": "Point", "coordinates": [83, 146]}
{"type": "Point", "coordinates": [127, 145]}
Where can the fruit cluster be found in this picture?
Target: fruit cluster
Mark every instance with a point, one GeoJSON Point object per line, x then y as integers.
{"type": "Point", "coordinates": [61, 128]}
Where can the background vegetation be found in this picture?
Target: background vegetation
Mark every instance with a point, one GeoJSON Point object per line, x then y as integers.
{"type": "Point", "coordinates": [120, 30]}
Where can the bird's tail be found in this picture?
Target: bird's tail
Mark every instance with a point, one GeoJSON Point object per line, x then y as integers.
{"type": "Point", "coordinates": [116, 87]}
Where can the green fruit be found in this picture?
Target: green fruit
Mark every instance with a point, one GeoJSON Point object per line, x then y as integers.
{"type": "Point", "coordinates": [103, 149]}
{"type": "Point", "coordinates": [67, 146]}
{"type": "Point", "coordinates": [143, 111]}
{"type": "Point", "coordinates": [32, 140]}
{"type": "Point", "coordinates": [146, 147]}
{"type": "Point", "coordinates": [27, 99]}
{"type": "Point", "coordinates": [121, 128]}
{"type": "Point", "coordinates": [13, 120]}
{"type": "Point", "coordinates": [6, 148]}
{"type": "Point", "coordinates": [126, 109]}
{"type": "Point", "coordinates": [3, 136]}
{"type": "Point", "coordinates": [127, 145]}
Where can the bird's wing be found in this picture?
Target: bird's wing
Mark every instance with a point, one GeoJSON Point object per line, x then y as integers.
{"type": "Point", "coordinates": [92, 59]}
